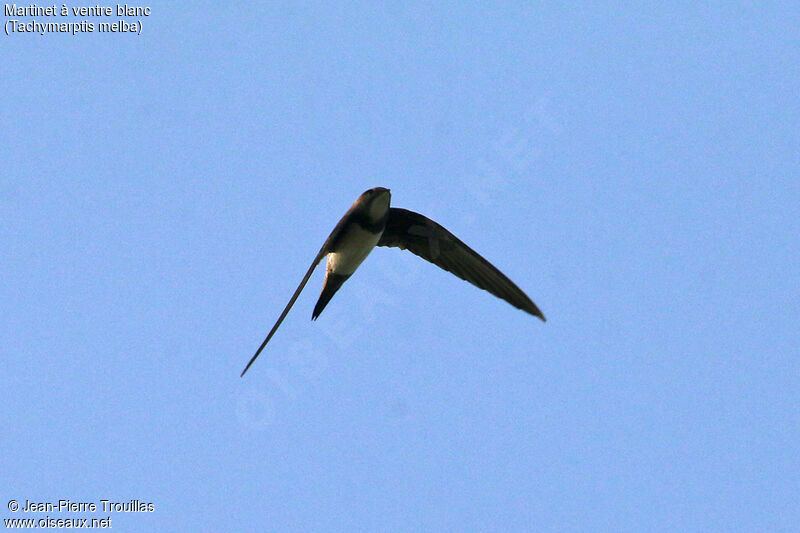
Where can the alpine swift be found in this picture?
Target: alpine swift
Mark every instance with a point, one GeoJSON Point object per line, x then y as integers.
{"type": "Point", "coordinates": [371, 222]}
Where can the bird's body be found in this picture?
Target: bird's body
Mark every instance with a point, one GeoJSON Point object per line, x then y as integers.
{"type": "Point", "coordinates": [370, 222]}
{"type": "Point", "coordinates": [351, 241]}
{"type": "Point", "coordinates": [352, 248]}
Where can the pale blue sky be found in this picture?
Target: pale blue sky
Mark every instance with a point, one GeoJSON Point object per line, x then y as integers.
{"type": "Point", "coordinates": [633, 168]}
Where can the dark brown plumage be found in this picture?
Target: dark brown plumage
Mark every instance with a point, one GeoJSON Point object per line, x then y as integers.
{"type": "Point", "coordinates": [422, 236]}
{"type": "Point", "coordinates": [371, 222]}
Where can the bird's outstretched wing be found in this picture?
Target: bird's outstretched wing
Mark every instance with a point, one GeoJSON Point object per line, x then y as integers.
{"type": "Point", "coordinates": [322, 253]}
{"type": "Point", "coordinates": [422, 236]}
{"type": "Point", "coordinates": [330, 244]}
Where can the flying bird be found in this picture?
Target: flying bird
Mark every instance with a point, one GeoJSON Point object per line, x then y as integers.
{"type": "Point", "coordinates": [371, 222]}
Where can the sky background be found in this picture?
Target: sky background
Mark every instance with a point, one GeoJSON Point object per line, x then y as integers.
{"type": "Point", "coordinates": [634, 169]}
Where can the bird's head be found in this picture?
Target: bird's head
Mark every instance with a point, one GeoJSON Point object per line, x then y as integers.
{"type": "Point", "coordinates": [376, 201]}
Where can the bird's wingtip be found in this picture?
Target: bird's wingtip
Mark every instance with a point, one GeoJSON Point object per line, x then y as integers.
{"type": "Point", "coordinates": [535, 311]}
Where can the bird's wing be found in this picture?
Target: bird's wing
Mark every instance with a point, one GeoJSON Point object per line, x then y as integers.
{"type": "Point", "coordinates": [322, 253]}
{"type": "Point", "coordinates": [422, 236]}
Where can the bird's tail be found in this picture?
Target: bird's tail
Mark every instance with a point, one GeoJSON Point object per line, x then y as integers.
{"type": "Point", "coordinates": [332, 284]}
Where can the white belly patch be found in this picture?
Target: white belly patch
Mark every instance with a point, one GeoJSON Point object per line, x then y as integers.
{"type": "Point", "coordinates": [354, 247]}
